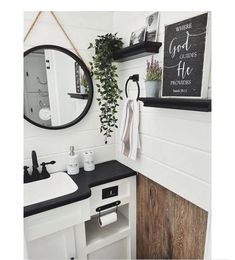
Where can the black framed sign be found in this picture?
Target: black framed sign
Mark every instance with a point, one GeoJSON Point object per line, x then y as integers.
{"type": "Point", "coordinates": [184, 73]}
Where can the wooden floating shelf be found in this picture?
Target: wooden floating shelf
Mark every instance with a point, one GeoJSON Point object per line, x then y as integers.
{"type": "Point", "coordinates": [78, 96]}
{"type": "Point", "coordinates": [136, 51]}
{"type": "Point", "coordinates": [203, 105]}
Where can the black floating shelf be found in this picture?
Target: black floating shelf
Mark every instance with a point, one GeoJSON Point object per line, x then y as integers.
{"type": "Point", "coordinates": [79, 96]}
{"type": "Point", "coordinates": [135, 51]}
{"type": "Point", "coordinates": [203, 105]}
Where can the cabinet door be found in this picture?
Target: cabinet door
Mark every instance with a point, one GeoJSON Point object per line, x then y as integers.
{"type": "Point", "coordinates": [60, 245]}
{"type": "Point", "coordinates": [168, 226]}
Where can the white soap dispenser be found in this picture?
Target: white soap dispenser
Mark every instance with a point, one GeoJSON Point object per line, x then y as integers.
{"type": "Point", "coordinates": [73, 162]}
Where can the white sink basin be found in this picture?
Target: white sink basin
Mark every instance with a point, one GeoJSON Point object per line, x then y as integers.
{"type": "Point", "coordinates": [57, 185]}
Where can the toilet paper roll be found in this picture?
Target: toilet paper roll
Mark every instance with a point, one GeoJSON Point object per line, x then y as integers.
{"type": "Point", "coordinates": [107, 219]}
{"type": "Point", "coordinates": [88, 160]}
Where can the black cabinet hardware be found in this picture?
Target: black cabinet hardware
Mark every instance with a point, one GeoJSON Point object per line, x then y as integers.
{"type": "Point", "coordinates": [110, 192]}
{"type": "Point", "coordinates": [134, 78]}
{"type": "Point", "coordinates": [108, 206]}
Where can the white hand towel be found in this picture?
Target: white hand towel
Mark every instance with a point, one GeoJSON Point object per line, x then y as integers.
{"type": "Point", "coordinates": [129, 129]}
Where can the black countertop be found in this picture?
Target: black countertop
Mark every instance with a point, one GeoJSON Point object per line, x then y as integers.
{"type": "Point", "coordinates": [103, 173]}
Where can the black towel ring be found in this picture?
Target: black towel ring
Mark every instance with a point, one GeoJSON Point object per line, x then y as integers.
{"type": "Point", "coordinates": [134, 78]}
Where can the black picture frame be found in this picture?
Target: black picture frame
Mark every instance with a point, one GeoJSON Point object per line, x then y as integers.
{"type": "Point", "coordinates": [193, 31]}
{"type": "Point", "coordinates": [152, 29]}
{"type": "Point", "coordinates": [89, 79]}
{"type": "Point", "coordinates": [138, 35]}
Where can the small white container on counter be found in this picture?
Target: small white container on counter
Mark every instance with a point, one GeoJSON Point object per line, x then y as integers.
{"type": "Point", "coordinates": [89, 162]}
{"type": "Point", "coordinates": [73, 162]}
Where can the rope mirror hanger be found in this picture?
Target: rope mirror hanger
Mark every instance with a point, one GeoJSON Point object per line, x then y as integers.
{"type": "Point", "coordinates": [60, 26]}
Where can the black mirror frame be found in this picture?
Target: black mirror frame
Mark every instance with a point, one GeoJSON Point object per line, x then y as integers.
{"type": "Point", "coordinates": [88, 74]}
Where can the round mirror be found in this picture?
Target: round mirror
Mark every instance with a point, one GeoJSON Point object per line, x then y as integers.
{"type": "Point", "coordinates": [58, 88]}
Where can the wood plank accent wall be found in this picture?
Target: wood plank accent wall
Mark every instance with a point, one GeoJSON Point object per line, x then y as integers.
{"type": "Point", "coordinates": [168, 226]}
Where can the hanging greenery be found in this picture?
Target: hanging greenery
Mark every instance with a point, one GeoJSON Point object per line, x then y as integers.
{"type": "Point", "coordinates": [105, 73]}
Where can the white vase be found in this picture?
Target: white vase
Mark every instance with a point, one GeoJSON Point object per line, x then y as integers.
{"type": "Point", "coordinates": [153, 88]}
{"type": "Point", "coordinates": [82, 89]}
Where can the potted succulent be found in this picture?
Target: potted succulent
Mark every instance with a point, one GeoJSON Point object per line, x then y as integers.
{"type": "Point", "coordinates": [153, 78]}
{"type": "Point", "coordinates": [105, 73]}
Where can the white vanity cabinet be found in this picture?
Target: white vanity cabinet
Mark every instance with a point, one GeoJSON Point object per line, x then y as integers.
{"type": "Point", "coordinates": [73, 232]}
{"type": "Point", "coordinates": [51, 234]}
{"type": "Point", "coordinates": [116, 240]}
{"type": "Point", "coordinates": [59, 245]}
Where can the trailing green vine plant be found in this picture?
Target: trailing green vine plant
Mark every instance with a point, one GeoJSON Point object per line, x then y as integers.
{"type": "Point", "coordinates": [105, 73]}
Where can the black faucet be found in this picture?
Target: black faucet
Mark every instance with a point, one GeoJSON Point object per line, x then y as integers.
{"type": "Point", "coordinates": [26, 174]}
{"type": "Point", "coordinates": [36, 175]}
{"type": "Point", "coordinates": [45, 174]}
{"type": "Point", "coordinates": [35, 172]}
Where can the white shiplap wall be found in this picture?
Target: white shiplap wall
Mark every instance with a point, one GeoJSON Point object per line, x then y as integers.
{"type": "Point", "coordinates": [175, 144]}
{"type": "Point", "coordinates": [82, 27]}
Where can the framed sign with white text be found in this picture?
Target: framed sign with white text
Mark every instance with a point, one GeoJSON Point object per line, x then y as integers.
{"type": "Point", "coordinates": [187, 58]}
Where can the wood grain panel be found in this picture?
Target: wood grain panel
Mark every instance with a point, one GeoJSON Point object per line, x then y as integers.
{"type": "Point", "coordinates": [168, 226]}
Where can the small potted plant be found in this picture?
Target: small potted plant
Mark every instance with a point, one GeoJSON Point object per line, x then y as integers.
{"type": "Point", "coordinates": [84, 85]}
{"type": "Point", "coordinates": [153, 78]}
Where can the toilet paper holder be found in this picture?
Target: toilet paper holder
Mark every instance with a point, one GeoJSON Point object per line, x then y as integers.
{"type": "Point", "coordinates": [107, 206]}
